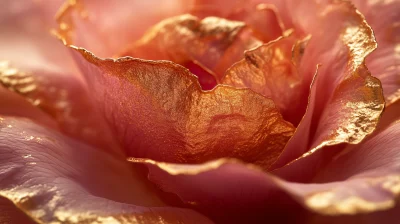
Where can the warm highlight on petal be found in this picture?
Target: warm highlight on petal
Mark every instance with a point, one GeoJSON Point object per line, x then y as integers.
{"type": "Point", "coordinates": [64, 98]}
{"type": "Point", "coordinates": [89, 23]}
{"type": "Point", "coordinates": [159, 111]}
{"type": "Point", "coordinates": [213, 42]}
{"type": "Point", "coordinates": [346, 102]}
{"type": "Point", "coordinates": [270, 71]}
{"type": "Point", "coordinates": [384, 63]}
{"type": "Point", "coordinates": [55, 179]}
{"type": "Point", "coordinates": [233, 187]}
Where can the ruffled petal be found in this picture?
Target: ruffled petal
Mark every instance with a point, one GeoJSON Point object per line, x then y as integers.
{"type": "Point", "coordinates": [231, 187]}
{"type": "Point", "coordinates": [89, 23]}
{"type": "Point", "coordinates": [212, 42]}
{"type": "Point", "coordinates": [37, 67]}
{"type": "Point", "coordinates": [384, 63]}
{"type": "Point", "coordinates": [159, 111]}
{"type": "Point", "coordinates": [53, 178]}
{"type": "Point", "coordinates": [62, 97]}
{"type": "Point", "coordinates": [335, 105]}
{"type": "Point", "coordinates": [271, 71]}
{"type": "Point", "coordinates": [345, 101]}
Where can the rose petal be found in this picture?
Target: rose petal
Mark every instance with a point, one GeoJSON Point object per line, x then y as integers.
{"type": "Point", "coordinates": [26, 41]}
{"type": "Point", "coordinates": [212, 42]}
{"type": "Point", "coordinates": [345, 102]}
{"type": "Point", "coordinates": [378, 154]}
{"type": "Point", "coordinates": [270, 71]}
{"type": "Point", "coordinates": [229, 186]}
{"type": "Point", "coordinates": [43, 176]}
{"type": "Point", "coordinates": [262, 18]}
{"type": "Point", "coordinates": [390, 115]}
{"type": "Point", "coordinates": [159, 111]}
{"type": "Point", "coordinates": [63, 97]}
{"type": "Point", "coordinates": [42, 71]}
{"type": "Point", "coordinates": [384, 63]}
{"type": "Point", "coordinates": [227, 190]}
{"type": "Point", "coordinates": [12, 104]}
{"type": "Point", "coordinates": [89, 23]}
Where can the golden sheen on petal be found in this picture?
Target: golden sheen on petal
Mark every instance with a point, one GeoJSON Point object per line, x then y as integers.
{"type": "Point", "coordinates": [358, 99]}
{"type": "Point", "coordinates": [55, 210]}
{"type": "Point", "coordinates": [164, 115]}
{"type": "Point", "coordinates": [356, 102]}
{"type": "Point", "coordinates": [187, 38]}
{"type": "Point", "coordinates": [17, 81]}
{"type": "Point", "coordinates": [64, 18]}
{"type": "Point", "coordinates": [339, 201]}
{"type": "Point", "coordinates": [177, 169]}
{"type": "Point", "coordinates": [63, 98]}
{"type": "Point", "coordinates": [270, 71]}
{"type": "Point", "coordinates": [324, 202]}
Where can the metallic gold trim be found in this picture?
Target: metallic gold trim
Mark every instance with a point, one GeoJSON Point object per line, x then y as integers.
{"type": "Point", "coordinates": [360, 41]}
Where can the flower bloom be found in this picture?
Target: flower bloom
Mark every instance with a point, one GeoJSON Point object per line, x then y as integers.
{"type": "Point", "coordinates": [239, 111]}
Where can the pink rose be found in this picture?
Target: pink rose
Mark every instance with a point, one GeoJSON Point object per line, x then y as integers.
{"type": "Point", "coordinates": [188, 128]}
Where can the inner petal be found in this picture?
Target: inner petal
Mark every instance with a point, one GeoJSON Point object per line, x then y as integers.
{"type": "Point", "coordinates": [212, 44]}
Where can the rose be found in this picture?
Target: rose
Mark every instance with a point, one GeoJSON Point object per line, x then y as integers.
{"type": "Point", "coordinates": [157, 110]}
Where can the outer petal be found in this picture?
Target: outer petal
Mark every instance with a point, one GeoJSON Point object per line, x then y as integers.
{"type": "Point", "coordinates": [14, 105]}
{"type": "Point", "coordinates": [26, 41]}
{"type": "Point", "coordinates": [345, 101]}
{"type": "Point", "coordinates": [92, 21]}
{"type": "Point", "coordinates": [159, 111]}
{"type": "Point", "coordinates": [42, 175]}
{"type": "Point", "coordinates": [366, 188]}
{"type": "Point", "coordinates": [384, 63]}
{"type": "Point", "coordinates": [41, 70]}
{"type": "Point", "coordinates": [61, 96]}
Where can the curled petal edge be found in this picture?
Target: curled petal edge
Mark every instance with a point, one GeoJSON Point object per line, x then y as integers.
{"type": "Point", "coordinates": [320, 201]}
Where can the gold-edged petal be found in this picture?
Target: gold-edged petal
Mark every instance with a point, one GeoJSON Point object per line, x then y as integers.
{"type": "Point", "coordinates": [89, 23]}
{"type": "Point", "coordinates": [384, 63]}
{"type": "Point", "coordinates": [213, 42]}
{"type": "Point", "coordinates": [270, 71]}
{"type": "Point", "coordinates": [346, 101]}
{"type": "Point", "coordinates": [62, 97]}
{"type": "Point", "coordinates": [360, 189]}
{"type": "Point", "coordinates": [43, 176]}
{"type": "Point", "coordinates": [161, 113]}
